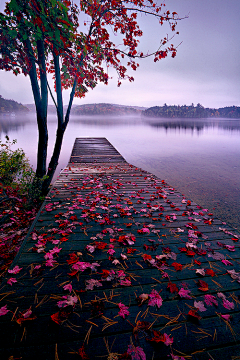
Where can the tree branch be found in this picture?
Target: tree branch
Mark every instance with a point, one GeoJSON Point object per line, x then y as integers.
{"type": "Point", "coordinates": [58, 88]}
{"type": "Point", "coordinates": [43, 77]}
{"type": "Point", "coordinates": [70, 103]}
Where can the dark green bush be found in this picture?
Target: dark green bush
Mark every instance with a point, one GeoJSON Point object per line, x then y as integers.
{"type": "Point", "coordinates": [15, 170]}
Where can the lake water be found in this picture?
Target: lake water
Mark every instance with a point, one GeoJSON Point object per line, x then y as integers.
{"type": "Point", "coordinates": [199, 157]}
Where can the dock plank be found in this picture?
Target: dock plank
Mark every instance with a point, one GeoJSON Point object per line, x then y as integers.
{"type": "Point", "coordinates": [116, 234]}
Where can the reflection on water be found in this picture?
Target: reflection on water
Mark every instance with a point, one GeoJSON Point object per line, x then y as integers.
{"type": "Point", "coordinates": [8, 124]}
{"type": "Point", "coordinates": [193, 125]}
{"type": "Point", "coordinates": [200, 157]}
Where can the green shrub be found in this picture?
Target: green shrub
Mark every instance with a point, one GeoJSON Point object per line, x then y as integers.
{"type": "Point", "coordinates": [15, 169]}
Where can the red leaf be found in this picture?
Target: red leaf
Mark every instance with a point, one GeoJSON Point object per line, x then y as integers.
{"type": "Point", "coordinates": [82, 354]}
{"type": "Point", "coordinates": [182, 249]}
{"type": "Point", "coordinates": [210, 272]}
{"type": "Point", "coordinates": [177, 266]}
{"type": "Point", "coordinates": [193, 315]}
{"type": "Point", "coordinates": [202, 285]}
{"type": "Point", "coordinates": [190, 253]}
{"type": "Point", "coordinates": [197, 262]}
{"type": "Point", "coordinates": [172, 287]}
{"type": "Point", "coordinates": [146, 257]}
{"type": "Point", "coordinates": [157, 337]}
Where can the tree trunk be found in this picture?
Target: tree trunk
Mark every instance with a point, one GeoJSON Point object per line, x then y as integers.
{"type": "Point", "coordinates": [42, 145]}
{"type": "Point", "coordinates": [58, 143]}
{"type": "Point", "coordinates": [54, 159]}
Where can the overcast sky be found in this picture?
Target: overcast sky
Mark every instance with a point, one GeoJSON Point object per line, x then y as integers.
{"type": "Point", "coordinates": [206, 69]}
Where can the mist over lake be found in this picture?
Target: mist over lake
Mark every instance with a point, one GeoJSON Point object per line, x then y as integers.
{"type": "Point", "coordinates": [200, 157]}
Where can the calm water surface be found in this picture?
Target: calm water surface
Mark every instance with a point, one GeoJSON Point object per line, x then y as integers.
{"type": "Point", "coordinates": [200, 157]}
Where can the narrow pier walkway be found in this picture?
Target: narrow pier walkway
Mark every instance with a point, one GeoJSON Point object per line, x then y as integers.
{"type": "Point", "coordinates": [119, 265]}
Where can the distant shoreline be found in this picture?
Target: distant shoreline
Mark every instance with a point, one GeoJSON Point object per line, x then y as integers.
{"type": "Point", "coordinates": [9, 108]}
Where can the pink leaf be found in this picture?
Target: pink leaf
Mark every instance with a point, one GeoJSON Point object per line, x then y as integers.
{"type": "Point", "coordinates": [155, 299]}
{"type": "Point", "coordinates": [27, 313]}
{"type": "Point", "coordinates": [210, 300]}
{"type": "Point", "coordinates": [91, 283]}
{"type": "Point", "coordinates": [228, 304]}
{"type": "Point", "coordinates": [50, 262]}
{"type": "Point", "coordinates": [168, 341]}
{"type": "Point", "coordinates": [199, 305]}
{"type": "Point", "coordinates": [3, 310]}
{"type": "Point", "coordinates": [125, 282]}
{"type": "Point", "coordinates": [11, 281]}
{"type": "Point", "coordinates": [111, 251]}
{"type": "Point", "coordinates": [184, 293]}
{"type": "Point", "coordinates": [226, 317]}
{"type": "Point", "coordinates": [226, 262]}
{"type": "Point", "coordinates": [230, 248]}
{"type": "Point", "coordinates": [123, 310]}
{"type": "Point", "coordinates": [136, 353]}
{"type": "Point", "coordinates": [200, 271]}
{"type": "Point", "coordinates": [68, 287]}
{"type": "Point", "coordinates": [15, 270]}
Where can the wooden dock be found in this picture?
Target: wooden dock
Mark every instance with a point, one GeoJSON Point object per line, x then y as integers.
{"type": "Point", "coordinates": [119, 265]}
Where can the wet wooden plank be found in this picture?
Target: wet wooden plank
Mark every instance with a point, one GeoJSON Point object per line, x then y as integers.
{"type": "Point", "coordinates": [161, 241]}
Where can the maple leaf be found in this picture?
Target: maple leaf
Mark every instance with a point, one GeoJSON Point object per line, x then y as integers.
{"type": "Point", "coordinates": [172, 287]}
{"type": "Point", "coordinates": [62, 315]}
{"type": "Point", "coordinates": [50, 262]}
{"type": "Point", "coordinates": [91, 283]}
{"type": "Point", "coordinates": [197, 262]}
{"type": "Point", "coordinates": [193, 315]}
{"type": "Point", "coordinates": [130, 251]}
{"type": "Point", "coordinates": [111, 251]}
{"type": "Point", "coordinates": [202, 285]}
{"type": "Point", "coordinates": [226, 317]}
{"type": "Point", "coordinates": [184, 293]}
{"type": "Point", "coordinates": [168, 341]}
{"type": "Point", "coordinates": [146, 257]}
{"type": "Point", "coordinates": [3, 310]}
{"type": "Point", "coordinates": [157, 337]}
{"type": "Point", "coordinates": [230, 248]}
{"type": "Point", "coordinates": [67, 301]}
{"type": "Point", "coordinates": [155, 299]}
{"type": "Point", "coordinates": [125, 282]}
{"type": "Point", "coordinates": [199, 305]}
{"type": "Point", "coordinates": [136, 353]}
{"type": "Point", "coordinates": [68, 287]}
{"type": "Point", "coordinates": [226, 262]}
{"type": "Point", "coordinates": [11, 281]}
{"type": "Point", "coordinates": [190, 253]}
{"type": "Point", "coordinates": [15, 270]}
{"type": "Point", "coordinates": [200, 271]}
{"type": "Point", "coordinates": [234, 275]}
{"type": "Point", "coordinates": [73, 259]}
{"type": "Point", "coordinates": [90, 248]}
{"type": "Point", "coordinates": [177, 266]}
{"type": "Point", "coordinates": [123, 310]}
{"type": "Point", "coordinates": [228, 304]}
{"type": "Point", "coordinates": [210, 272]}
{"type": "Point", "coordinates": [210, 300]}
{"type": "Point", "coordinates": [82, 353]}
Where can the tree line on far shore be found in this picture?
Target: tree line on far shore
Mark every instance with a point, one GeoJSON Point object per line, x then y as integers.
{"type": "Point", "coordinates": [11, 106]}
{"type": "Point", "coordinates": [186, 111]}
{"type": "Point", "coordinates": [166, 111]}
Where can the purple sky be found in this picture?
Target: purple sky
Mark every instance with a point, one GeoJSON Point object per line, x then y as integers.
{"type": "Point", "coordinates": [205, 70]}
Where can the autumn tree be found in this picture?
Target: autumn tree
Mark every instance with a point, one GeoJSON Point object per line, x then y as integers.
{"type": "Point", "coordinates": [72, 42]}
